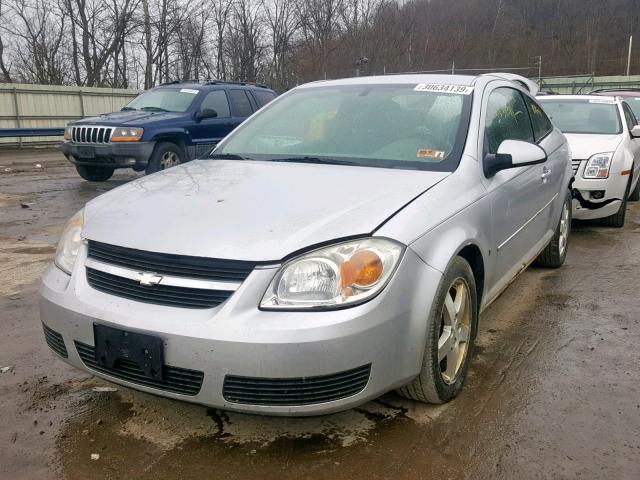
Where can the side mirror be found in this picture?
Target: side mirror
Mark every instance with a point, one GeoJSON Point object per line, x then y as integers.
{"type": "Point", "coordinates": [635, 131]}
{"type": "Point", "coordinates": [206, 113]}
{"type": "Point", "coordinates": [513, 154]}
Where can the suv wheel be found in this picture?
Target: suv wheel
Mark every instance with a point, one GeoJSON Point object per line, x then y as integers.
{"type": "Point", "coordinates": [449, 343]}
{"type": "Point", "coordinates": [165, 155]}
{"type": "Point", "coordinates": [95, 174]}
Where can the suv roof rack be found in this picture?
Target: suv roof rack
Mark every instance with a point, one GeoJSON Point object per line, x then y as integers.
{"type": "Point", "coordinates": [231, 82]}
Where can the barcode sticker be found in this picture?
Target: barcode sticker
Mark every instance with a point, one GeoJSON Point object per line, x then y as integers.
{"type": "Point", "coordinates": [444, 88]}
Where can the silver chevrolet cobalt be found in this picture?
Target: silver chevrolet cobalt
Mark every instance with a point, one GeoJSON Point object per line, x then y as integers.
{"type": "Point", "coordinates": [341, 243]}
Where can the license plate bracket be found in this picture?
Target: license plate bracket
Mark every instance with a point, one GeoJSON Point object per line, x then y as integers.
{"type": "Point", "coordinates": [113, 345]}
{"type": "Point", "coordinates": [86, 152]}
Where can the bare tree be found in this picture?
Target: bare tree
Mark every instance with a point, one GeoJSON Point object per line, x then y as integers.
{"type": "Point", "coordinates": [243, 44]}
{"type": "Point", "coordinates": [221, 14]}
{"type": "Point", "coordinates": [283, 22]}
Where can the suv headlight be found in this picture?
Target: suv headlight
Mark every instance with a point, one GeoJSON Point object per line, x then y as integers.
{"type": "Point", "coordinates": [126, 134]}
{"type": "Point", "coordinates": [67, 134]}
{"type": "Point", "coordinates": [69, 243]}
{"type": "Point", "coordinates": [598, 165]}
{"type": "Point", "coordinates": [332, 277]}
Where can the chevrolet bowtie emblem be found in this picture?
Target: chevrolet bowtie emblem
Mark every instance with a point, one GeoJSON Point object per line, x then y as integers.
{"type": "Point", "coordinates": [148, 279]}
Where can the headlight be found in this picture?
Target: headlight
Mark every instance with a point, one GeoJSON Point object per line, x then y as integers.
{"type": "Point", "coordinates": [332, 277]}
{"type": "Point", "coordinates": [67, 134]}
{"type": "Point", "coordinates": [126, 134]}
{"type": "Point", "coordinates": [598, 166]}
{"type": "Point", "coordinates": [70, 242]}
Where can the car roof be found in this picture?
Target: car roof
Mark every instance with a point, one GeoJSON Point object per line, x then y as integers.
{"type": "Point", "coordinates": [416, 78]}
{"type": "Point", "coordinates": [631, 92]}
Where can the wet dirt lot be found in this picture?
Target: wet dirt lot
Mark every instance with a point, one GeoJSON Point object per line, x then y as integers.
{"type": "Point", "coordinates": [553, 390]}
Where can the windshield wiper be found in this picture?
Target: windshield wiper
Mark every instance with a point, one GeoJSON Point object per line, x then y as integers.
{"type": "Point", "coordinates": [310, 159]}
{"type": "Point", "coordinates": [124, 109]}
{"type": "Point", "coordinates": [153, 109]}
{"type": "Point", "coordinates": [228, 156]}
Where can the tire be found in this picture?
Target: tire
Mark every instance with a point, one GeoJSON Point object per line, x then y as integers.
{"type": "Point", "coordinates": [440, 381]}
{"type": "Point", "coordinates": [617, 219]}
{"type": "Point", "coordinates": [95, 174]}
{"type": "Point", "coordinates": [555, 252]}
{"type": "Point", "coordinates": [165, 155]}
{"type": "Point", "coordinates": [634, 196]}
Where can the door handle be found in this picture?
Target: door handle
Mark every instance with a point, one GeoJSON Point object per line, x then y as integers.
{"type": "Point", "coordinates": [546, 172]}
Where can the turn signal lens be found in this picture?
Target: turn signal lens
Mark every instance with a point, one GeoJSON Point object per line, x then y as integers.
{"type": "Point", "coordinates": [126, 134]}
{"type": "Point", "coordinates": [363, 269]}
{"type": "Point", "coordinates": [67, 134]}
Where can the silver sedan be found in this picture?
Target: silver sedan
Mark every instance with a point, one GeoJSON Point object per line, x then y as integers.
{"type": "Point", "coordinates": [341, 243]}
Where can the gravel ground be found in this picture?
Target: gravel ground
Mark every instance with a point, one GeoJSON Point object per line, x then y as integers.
{"type": "Point", "coordinates": [552, 392]}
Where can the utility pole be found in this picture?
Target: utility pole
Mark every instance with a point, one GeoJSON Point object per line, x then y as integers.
{"type": "Point", "coordinates": [453, 67]}
{"type": "Point", "coordinates": [629, 54]}
{"type": "Point", "coordinates": [539, 69]}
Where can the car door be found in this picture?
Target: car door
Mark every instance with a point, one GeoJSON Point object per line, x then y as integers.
{"type": "Point", "coordinates": [517, 195]}
{"type": "Point", "coordinates": [241, 106]}
{"type": "Point", "coordinates": [207, 132]}
{"type": "Point", "coordinates": [634, 143]}
{"type": "Point", "coordinates": [556, 147]}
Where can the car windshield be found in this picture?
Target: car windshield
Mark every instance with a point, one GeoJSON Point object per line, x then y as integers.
{"type": "Point", "coordinates": [594, 116]}
{"type": "Point", "coordinates": [164, 100]}
{"type": "Point", "coordinates": [392, 126]}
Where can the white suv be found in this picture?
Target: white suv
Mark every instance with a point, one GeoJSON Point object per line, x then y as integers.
{"type": "Point", "coordinates": [603, 135]}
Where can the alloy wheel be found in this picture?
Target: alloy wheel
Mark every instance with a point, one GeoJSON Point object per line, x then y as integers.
{"type": "Point", "coordinates": [168, 160]}
{"type": "Point", "coordinates": [564, 230]}
{"type": "Point", "coordinates": [455, 331]}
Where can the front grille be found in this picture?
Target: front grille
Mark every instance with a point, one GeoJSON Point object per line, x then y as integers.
{"type": "Point", "coordinates": [174, 379]}
{"type": "Point", "coordinates": [159, 294]}
{"type": "Point", "coordinates": [171, 264]}
{"type": "Point", "coordinates": [575, 165]}
{"type": "Point", "coordinates": [55, 341]}
{"type": "Point", "coordinates": [295, 391]}
{"type": "Point", "coordinates": [91, 134]}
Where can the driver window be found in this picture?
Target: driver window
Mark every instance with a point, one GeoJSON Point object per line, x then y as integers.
{"type": "Point", "coordinates": [216, 100]}
{"type": "Point", "coordinates": [629, 116]}
{"type": "Point", "coordinates": [507, 119]}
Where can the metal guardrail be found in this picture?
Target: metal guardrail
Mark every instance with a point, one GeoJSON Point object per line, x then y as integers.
{"type": "Point", "coordinates": [31, 132]}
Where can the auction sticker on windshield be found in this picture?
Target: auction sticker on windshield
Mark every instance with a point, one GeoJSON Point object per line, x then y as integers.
{"type": "Point", "coordinates": [608, 101]}
{"type": "Point", "coordinates": [444, 88]}
{"type": "Point", "coordinates": [189, 90]}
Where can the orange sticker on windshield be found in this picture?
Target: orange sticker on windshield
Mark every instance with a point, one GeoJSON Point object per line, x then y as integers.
{"type": "Point", "coordinates": [430, 153]}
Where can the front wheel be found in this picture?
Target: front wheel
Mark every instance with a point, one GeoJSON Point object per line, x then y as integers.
{"type": "Point", "coordinates": [95, 174]}
{"type": "Point", "coordinates": [449, 343]}
{"type": "Point", "coordinates": [556, 251]}
{"type": "Point", "coordinates": [165, 155]}
{"type": "Point", "coordinates": [617, 219]}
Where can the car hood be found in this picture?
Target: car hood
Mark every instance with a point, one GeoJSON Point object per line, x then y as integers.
{"type": "Point", "coordinates": [584, 146]}
{"type": "Point", "coordinates": [130, 117]}
{"type": "Point", "coordinates": [250, 210]}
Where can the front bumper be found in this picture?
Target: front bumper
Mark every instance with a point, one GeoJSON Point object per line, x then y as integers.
{"type": "Point", "coordinates": [237, 339]}
{"type": "Point", "coordinates": [117, 155]}
{"type": "Point", "coordinates": [585, 206]}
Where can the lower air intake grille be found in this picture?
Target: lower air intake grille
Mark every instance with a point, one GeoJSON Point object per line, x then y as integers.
{"type": "Point", "coordinates": [174, 379]}
{"type": "Point", "coordinates": [55, 341]}
{"type": "Point", "coordinates": [158, 294]}
{"type": "Point", "coordinates": [295, 391]}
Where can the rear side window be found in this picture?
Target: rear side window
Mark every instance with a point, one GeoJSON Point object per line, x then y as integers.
{"type": "Point", "coordinates": [541, 124]}
{"type": "Point", "coordinates": [216, 100]}
{"type": "Point", "coordinates": [507, 119]}
{"type": "Point", "coordinates": [240, 103]}
{"type": "Point", "coordinates": [263, 97]}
